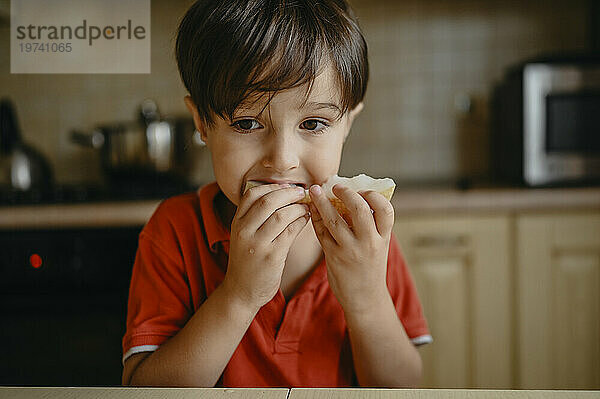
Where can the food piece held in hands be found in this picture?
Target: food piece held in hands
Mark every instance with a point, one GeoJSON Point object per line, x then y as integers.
{"type": "Point", "coordinates": [361, 182]}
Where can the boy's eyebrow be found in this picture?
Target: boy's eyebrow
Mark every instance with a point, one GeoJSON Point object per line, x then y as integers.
{"type": "Point", "coordinates": [313, 105]}
{"type": "Point", "coordinates": [322, 105]}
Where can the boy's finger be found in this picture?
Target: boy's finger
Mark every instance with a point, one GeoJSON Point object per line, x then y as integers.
{"type": "Point", "coordinates": [285, 239]}
{"type": "Point", "coordinates": [279, 221]}
{"type": "Point", "coordinates": [331, 219]}
{"type": "Point", "coordinates": [383, 211]}
{"type": "Point", "coordinates": [360, 211]}
{"type": "Point", "coordinates": [252, 194]}
{"type": "Point", "coordinates": [263, 207]}
{"type": "Point", "coordinates": [323, 234]}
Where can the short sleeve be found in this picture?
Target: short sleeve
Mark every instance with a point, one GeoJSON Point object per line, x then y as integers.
{"type": "Point", "coordinates": [404, 295]}
{"type": "Point", "coordinates": [159, 297]}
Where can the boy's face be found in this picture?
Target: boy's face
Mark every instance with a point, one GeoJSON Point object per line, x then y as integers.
{"type": "Point", "coordinates": [285, 142]}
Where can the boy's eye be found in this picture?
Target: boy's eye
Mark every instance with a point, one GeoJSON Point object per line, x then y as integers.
{"type": "Point", "coordinates": [313, 124]}
{"type": "Point", "coordinates": [246, 124]}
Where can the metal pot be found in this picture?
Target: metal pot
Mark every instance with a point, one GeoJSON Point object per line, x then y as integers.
{"type": "Point", "coordinates": [151, 147]}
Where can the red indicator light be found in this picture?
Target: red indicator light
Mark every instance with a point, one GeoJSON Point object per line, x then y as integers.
{"type": "Point", "coordinates": [35, 261]}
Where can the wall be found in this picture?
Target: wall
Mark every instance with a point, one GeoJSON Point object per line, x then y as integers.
{"type": "Point", "coordinates": [427, 57]}
{"type": "Point", "coordinates": [50, 106]}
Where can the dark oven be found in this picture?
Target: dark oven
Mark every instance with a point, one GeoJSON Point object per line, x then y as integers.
{"type": "Point", "coordinates": [63, 298]}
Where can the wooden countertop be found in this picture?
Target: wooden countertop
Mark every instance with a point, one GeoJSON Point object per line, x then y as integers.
{"type": "Point", "coordinates": [282, 393]}
{"type": "Point", "coordinates": [405, 201]}
{"type": "Point", "coordinates": [93, 214]}
{"type": "Point", "coordinates": [496, 200]}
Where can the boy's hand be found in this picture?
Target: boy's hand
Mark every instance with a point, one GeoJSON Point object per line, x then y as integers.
{"type": "Point", "coordinates": [356, 256]}
{"type": "Point", "coordinates": [262, 231]}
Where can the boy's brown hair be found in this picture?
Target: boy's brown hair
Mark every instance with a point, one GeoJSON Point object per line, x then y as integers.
{"type": "Point", "coordinates": [230, 50]}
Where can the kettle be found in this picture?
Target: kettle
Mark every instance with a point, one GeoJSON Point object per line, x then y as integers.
{"type": "Point", "coordinates": [22, 168]}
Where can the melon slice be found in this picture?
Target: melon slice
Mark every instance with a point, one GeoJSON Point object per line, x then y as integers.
{"type": "Point", "coordinates": [360, 182]}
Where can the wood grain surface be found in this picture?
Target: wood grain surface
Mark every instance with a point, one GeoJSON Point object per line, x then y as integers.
{"type": "Point", "coordinates": [142, 393]}
{"type": "Point", "coordinates": [328, 393]}
{"type": "Point", "coordinates": [282, 393]}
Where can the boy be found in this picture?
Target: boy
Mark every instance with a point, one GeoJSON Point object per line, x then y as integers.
{"type": "Point", "coordinates": [241, 289]}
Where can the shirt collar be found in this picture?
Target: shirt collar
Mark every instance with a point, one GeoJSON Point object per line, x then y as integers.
{"type": "Point", "coordinates": [215, 230]}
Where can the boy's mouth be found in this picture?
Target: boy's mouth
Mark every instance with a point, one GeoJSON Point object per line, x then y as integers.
{"type": "Point", "coordinates": [303, 185]}
{"type": "Point", "coordinates": [252, 183]}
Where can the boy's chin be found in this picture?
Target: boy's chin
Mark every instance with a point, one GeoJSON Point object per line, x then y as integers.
{"type": "Point", "coordinates": [228, 200]}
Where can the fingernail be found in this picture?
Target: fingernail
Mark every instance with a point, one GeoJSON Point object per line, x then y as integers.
{"type": "Point", "coordinates": [316, 190]}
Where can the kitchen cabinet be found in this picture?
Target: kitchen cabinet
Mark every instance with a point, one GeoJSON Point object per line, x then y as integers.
{"type": "Point", "coordinates": [558, 291]}
{"type": "Point", "coordinates": [512, 299]}
{"type": "Point", "coordinates": [462, 271]}
{"type": "Point", "coordinates": [4, 10]}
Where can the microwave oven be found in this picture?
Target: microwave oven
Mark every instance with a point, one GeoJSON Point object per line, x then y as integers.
{"type": "Point", "coordinates": [545, 125]}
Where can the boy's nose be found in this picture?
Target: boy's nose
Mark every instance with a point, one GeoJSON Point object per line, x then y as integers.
{"type": "Point", "coordinates": [282, 154]}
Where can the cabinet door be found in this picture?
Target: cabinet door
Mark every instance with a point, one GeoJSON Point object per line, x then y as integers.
{"type": "Point", "coordinates": [4, 9]}
{"type": "Point", "coordinates": [559, 301]}
{"type": "Point", "coordinates": [461, 267]}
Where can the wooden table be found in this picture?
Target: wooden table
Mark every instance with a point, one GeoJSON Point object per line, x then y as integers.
{"type": "Point", "coordinates": [142, 393]}
{"type": "Point", "coordinates": [321, 393]}
{"type": "Point", "coordinates": [282, 393]}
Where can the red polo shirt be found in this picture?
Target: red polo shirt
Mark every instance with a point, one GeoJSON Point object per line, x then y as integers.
{"type": "Point", "coordinates": [182, 257]}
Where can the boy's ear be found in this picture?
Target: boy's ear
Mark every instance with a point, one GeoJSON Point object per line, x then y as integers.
{"type": "Point", "coordinates": [356, 111]}
{"type": "Point", "coordinates": [189, 103]}
{"type": "Point", "coordinates": [353, 113]}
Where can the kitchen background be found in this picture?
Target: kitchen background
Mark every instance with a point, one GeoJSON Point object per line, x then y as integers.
{"type": "Point", "coordinates": [509, 276]}
{"type": "Point", "coordinates": [433, 66]}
